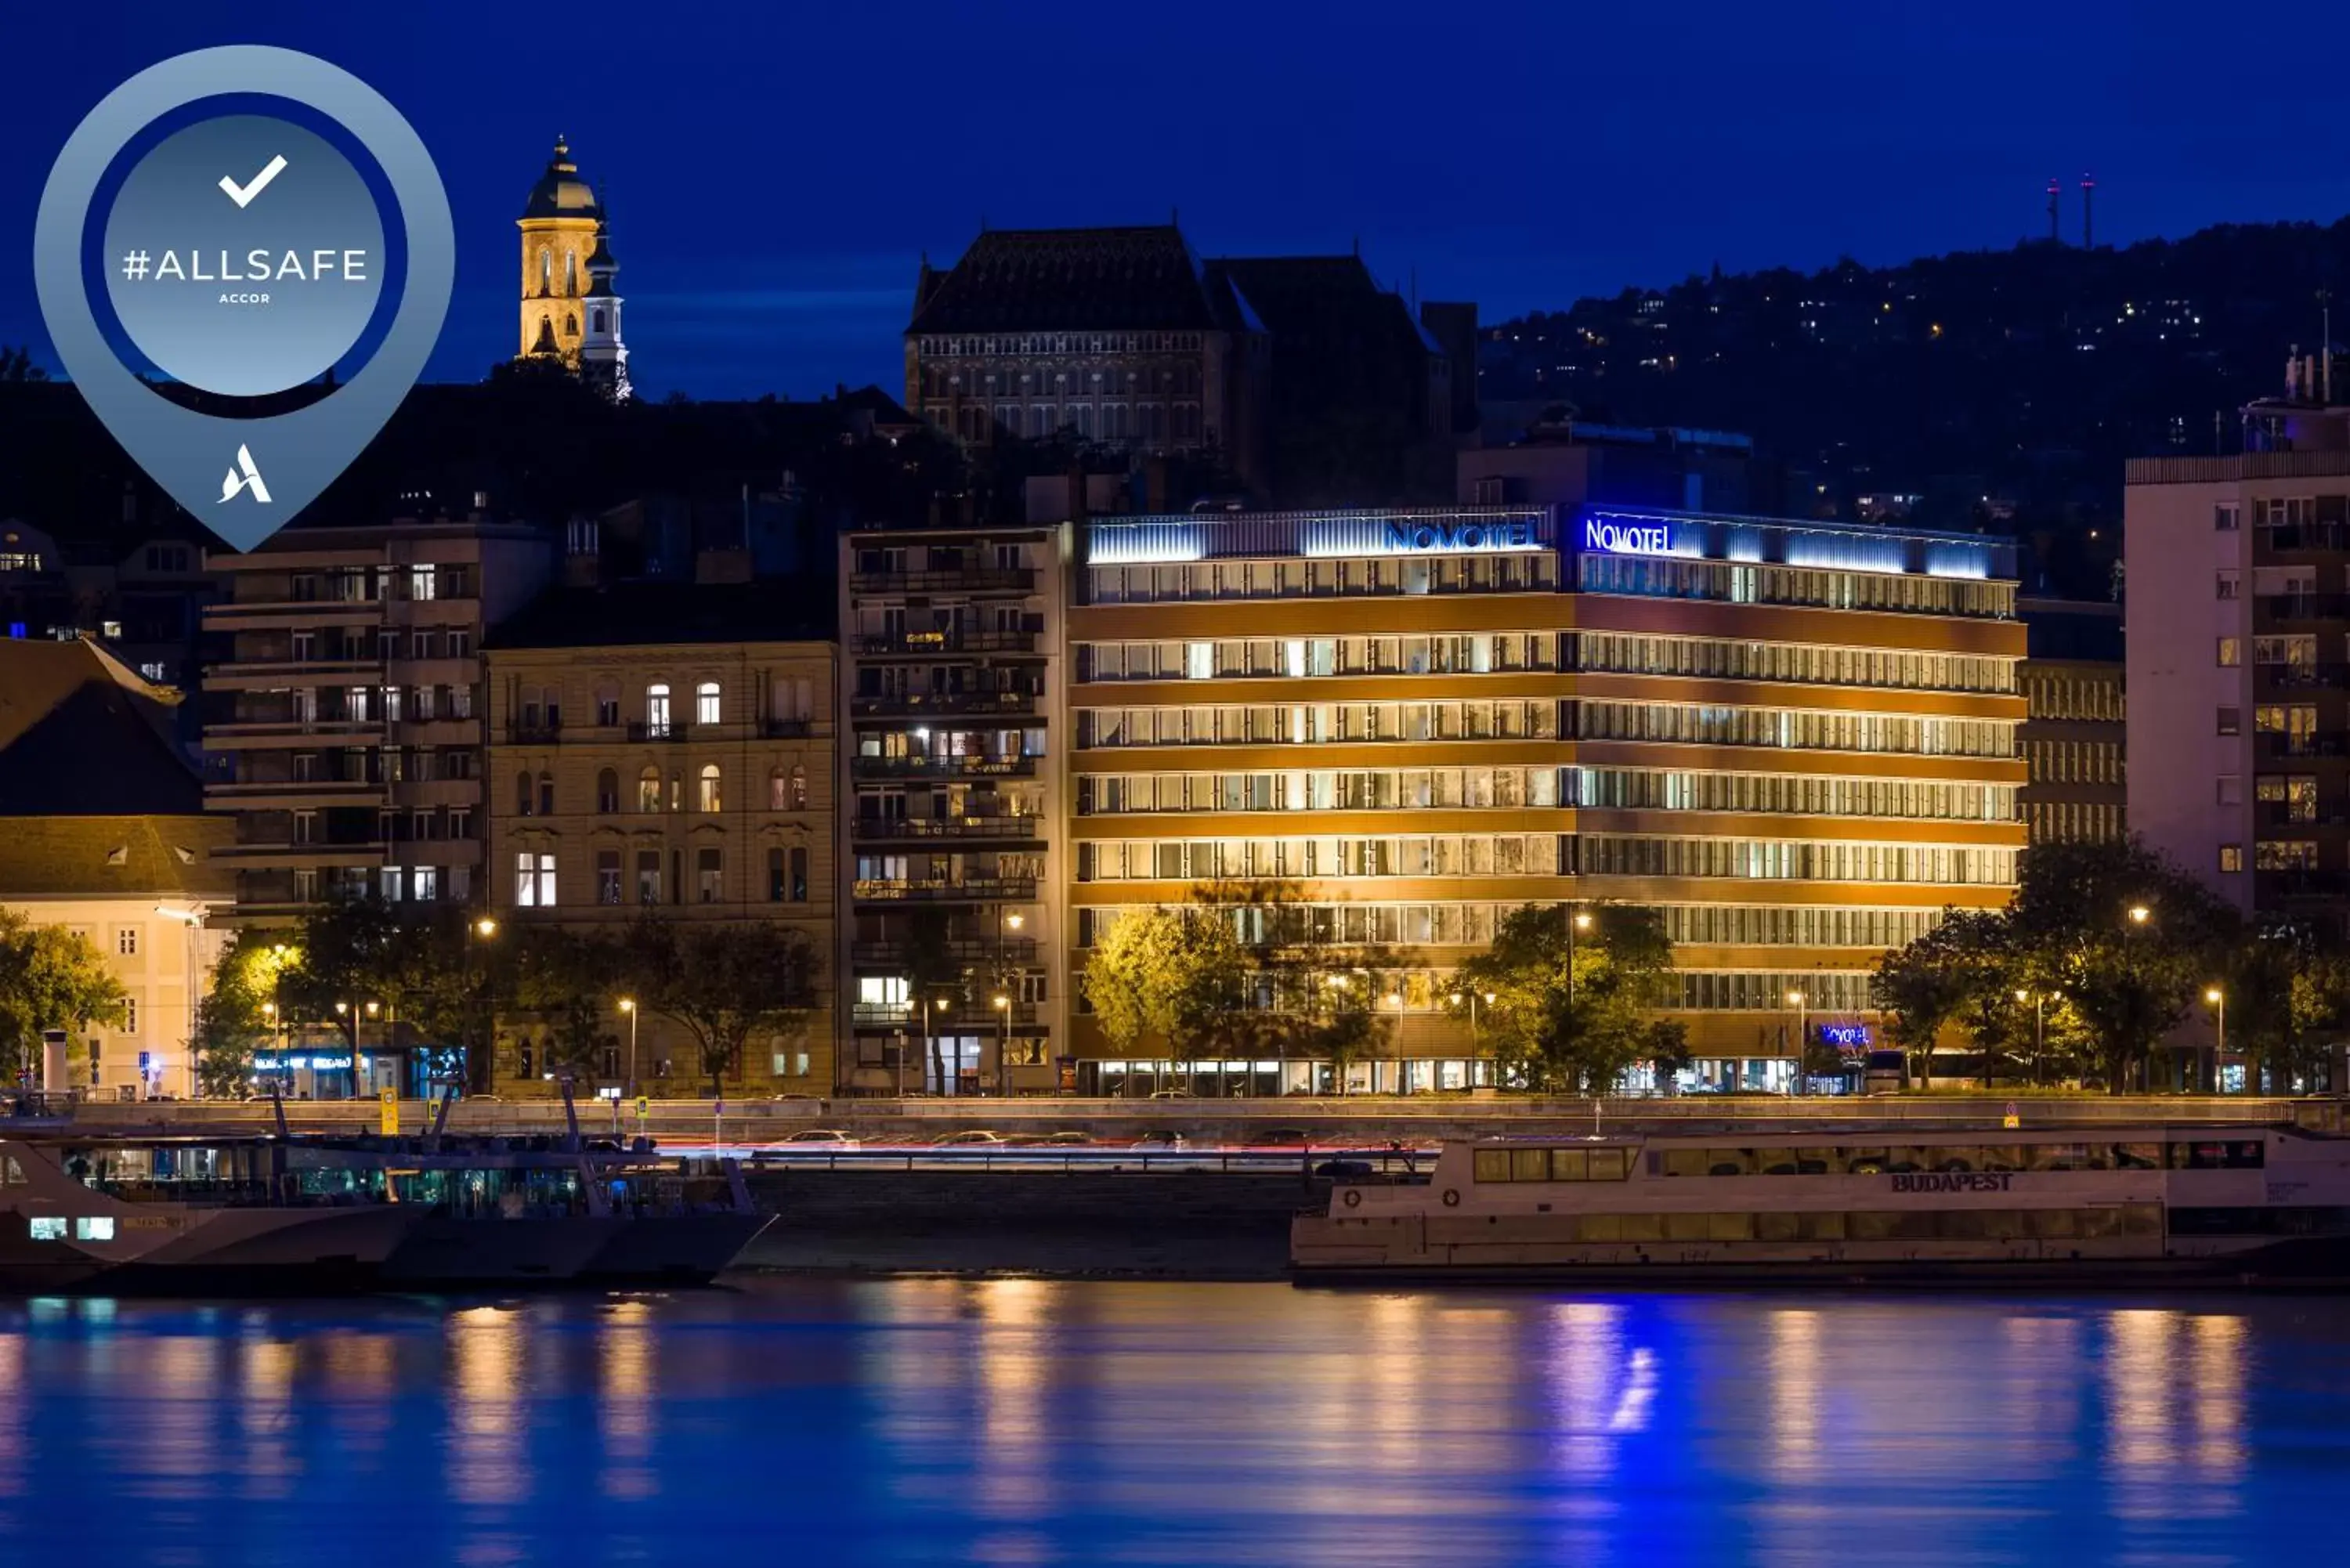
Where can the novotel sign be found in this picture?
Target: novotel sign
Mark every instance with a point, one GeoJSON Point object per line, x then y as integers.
{"type": "Point", "coordinates": [1504, 533]}
{"type": "Point", "coordinates": [1618, 538]}
{"type": "Point", "coordinates": [1849, 1035]}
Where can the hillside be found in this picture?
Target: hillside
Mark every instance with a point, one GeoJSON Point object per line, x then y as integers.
{"type": "Point", "coordinates": [2024, 377]}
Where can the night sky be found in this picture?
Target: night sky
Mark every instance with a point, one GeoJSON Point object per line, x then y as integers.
{"type": "Point", "coordinates": [775, 171]}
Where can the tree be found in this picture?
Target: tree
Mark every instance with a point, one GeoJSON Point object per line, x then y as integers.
{"type": "Point", "coordinates": [1574, 1006]}
{"type": "Point", "coordinates": [569, 981]}
{"type": "Point", "coordinates": [236, 1018]}
{"type": "Point", "coordinates": [1959, 972]}
{"type": "Point", "coordinates": [50, 978]}
{"type": "Point", "coordinates": [2288, 1001]}
{"type": "Point", "coordinates": [1300, 992]}
{"type": "Point", "coordinates": [720, 982]}
{"type": "Point", "coordinates": [932, 974]}
{"type": "Point", "coordinates": [1173, 975]}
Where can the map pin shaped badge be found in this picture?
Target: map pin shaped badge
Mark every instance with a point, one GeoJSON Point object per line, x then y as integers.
{"type": "Point", "coordinates": [245, 256]}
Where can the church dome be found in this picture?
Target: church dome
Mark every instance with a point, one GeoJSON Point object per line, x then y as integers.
{"type": "Point", "coordinates": [560, 191]}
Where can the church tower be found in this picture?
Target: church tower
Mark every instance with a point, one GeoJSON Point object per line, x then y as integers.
{"type": "Point", "coordinates": [559, 227]}
{"type": "Point", "coordinates": [603, 356]}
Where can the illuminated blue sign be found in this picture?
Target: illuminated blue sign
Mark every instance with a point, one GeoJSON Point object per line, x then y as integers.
{"type": "Point", "coordinates": [294, 1063]}
{"type": "Point", "coordinates": [1626, 538]}
{"type": "Point", "coordinates": [1437, 535]}
{"type": "Point", "coordinates": [1851, 1037]}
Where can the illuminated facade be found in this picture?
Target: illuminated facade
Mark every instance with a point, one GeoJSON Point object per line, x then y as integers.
{"type": "Point", "coordinates": [570, 309]}
{"type": "Point", "coordinates": [1798, 740]}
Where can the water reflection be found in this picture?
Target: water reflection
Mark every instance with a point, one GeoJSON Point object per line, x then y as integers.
{"type": "Point", "coordinates": [1019, 1422]}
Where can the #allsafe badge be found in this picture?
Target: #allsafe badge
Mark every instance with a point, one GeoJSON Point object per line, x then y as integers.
{"type": "Point", "coordinates": [243, 255]}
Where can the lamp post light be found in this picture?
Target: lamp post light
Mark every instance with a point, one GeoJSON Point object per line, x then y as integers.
{"type": "Point", "coordinates": [1802, 1003]}
{"type": "Point", "coordinates": [628, 1006]}
{"type": "Point", "coordinates": [2218, 998]}
{"type": "Point", "coordinates": [2039, 1000]}
{"type": "Point", "coordinates": [192, 920]}
{"type": "Point", "coordinates": [1003, 1040]}
{"type": "Point", "coordinates": [2139, 914]}
{"type": "Point", "coordinates": [482, 928]}
{"type": "Point", "coordinates": [1578, 921]}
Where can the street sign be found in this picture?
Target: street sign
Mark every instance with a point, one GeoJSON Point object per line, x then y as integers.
{"type": "Point", "coordinates": [388, 1110]}
{"type": "Point", "coordinates": [2012, 1119]}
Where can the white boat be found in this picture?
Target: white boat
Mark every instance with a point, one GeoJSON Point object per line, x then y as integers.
{"type": "Point", "coordinates": [182, 1218]}
{"type": "Point", "coordinates": [2118, 1205]}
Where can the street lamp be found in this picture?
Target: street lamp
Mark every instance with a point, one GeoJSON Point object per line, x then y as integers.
{"type": "Point", "coordinates": [485, 927]}
{"type": "Point", "coordinates": [2139, 914]}
{"type": "Point", "coordinates": [628, 1006]}
{"type": "Point", "coordinates": [192, 920]}
{"type": "Point", "coordinates": [1003, 1041]}
{"type": "Point", "coordinates": [1802, 1005]}
{"type": "Point", "coordinates": [1580, 921]}
{"type": "Point", "coordinates": [482, 928]}
{"type": "Point", "coordinates": [2219, 999]}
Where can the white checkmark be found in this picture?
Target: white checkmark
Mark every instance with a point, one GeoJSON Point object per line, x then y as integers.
{"type": "Point", "coordinates": [242, 195]}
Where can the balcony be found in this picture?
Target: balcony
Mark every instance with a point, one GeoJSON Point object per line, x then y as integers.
{"type": "Point", "coordinates": [278, 615]}
{"type": "Point", "coordinates": [2272, 746]}
{"type": "Point", "coordinates": [943, 767]}
{"type": "Point", "coordinates": [534, 732]}
{"type": "Point", "coordinates": [269, 856]}
{"type": "Point", "coordinates": [961, 1016]}
{"type": "Point", "coordinates": [930, 644]}
{"type": "Point", "coordinates": [2303, 607]}
{"type": "Point", "coordinates": [943, 704]}
{"type": "Point", "coordinates": [675, 730]}
{"type": "Point", "coordinates": [884, 829]}
{"type": "Point", "coordinates": [2289, 814]}
{"type": "Point", "coordinates": [293, 794]}
{"type": "Point", "coordinates": [2299, 677]}
{"type": "Point", "coordinates": [293, 732]}
{"type": "Point", "coordinates": [970, 891]}
{"type": "Point", "coordinates": [947, 580]}
{"type": "Point", "coordinates": [2305, 537]}
{"type": "Point", "coordinates": [2275, 886]}
{"type": "Point", "coordinates": [273, 674]}
{"type": "Point", "coordinates": [960, 950]}
{"type": "Point", "coordinates": [771, 729]}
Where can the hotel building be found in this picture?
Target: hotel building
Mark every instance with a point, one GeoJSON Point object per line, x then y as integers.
{"type": "Point", "coordinates": [1799, 740]}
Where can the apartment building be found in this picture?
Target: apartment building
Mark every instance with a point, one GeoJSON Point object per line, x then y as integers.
{"type": "Point", "coordinates": [1798, 740]}
{"type": "Point", "coordinates": [666, 748]}
{"type": "Point", "coordinates": [954, 942]}
{"type": "Point", "coordinates": [2075, 749]}
{"type": "Point", "coordinates": [350, 713]}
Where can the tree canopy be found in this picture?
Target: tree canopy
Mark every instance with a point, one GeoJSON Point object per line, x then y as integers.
{"type": "Point", "coordinates": [50, 978]}
{"type": "Point", "coordinates": [1567, 998]}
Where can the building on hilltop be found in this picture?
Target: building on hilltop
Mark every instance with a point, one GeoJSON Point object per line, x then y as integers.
{"type": "Point", "coordinates": [570, 309]}
{"type": "Point", "coordinates": [1300, 373]}
{"type": "Point", "coordinates": [103, 831]}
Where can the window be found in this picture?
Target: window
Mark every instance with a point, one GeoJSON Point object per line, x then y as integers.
{"type": "Point", "coordinates": [776, 883]}
{"type": "Point", "coordinates": [607, 709]}
{"type": "Point", "coordinates": [2231, 857]}
{"type": "Point", "coordinates": [799, 788]}
{"type": "Point", "coordinates": [607, 792]}
{"type": "Point", "coordinates": [799, 891]}
{"type": "Point", "coordinates": [546, 795]}
{"type": "Point", "coordinates": [2231, 585]}
{"type": "Point", "coordinates": [535, 881]}
{"type": "Point", "coordinates": [2231, 720]}
{"type": "Point", "coordinates": [649, 790]}
{"type": "Point", "coordinates": [427, 881]}
{"type": "Point", "coordinates": [778, 796]}
{"type": "Point", "coordinates": [657, 710]}
{"type": "Point", "coordinates": [521, 795]}
{"type": "Point", "coordinates": [709, 875]}
{"type": "Point", "coordinates": [130, 1016]}
{"type": "Point", "coordinates": [2225, 519]}
{"type": "Point", "coordinates": [2232, 652]}
{"type": "Point", "coordinates": [126, 940]}
{"type": "Point", "coordinates": [608, 876]}
{"type": "Point", "coordinates": [708, 797]}
{"type": "Point", "coordinates": [705, 702]}
{"type": "Point", "coordinates": [47, 1226]}
{"type": "Point", "coordinates": [648, 876]}
{"type": "Point", "coordinates": [2231, 789]}
{"type": "Point", "coordinates": [421, 583]}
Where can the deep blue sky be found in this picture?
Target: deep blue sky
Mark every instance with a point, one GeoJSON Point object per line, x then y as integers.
{"type": "Point", "coordinates": [775, 171]}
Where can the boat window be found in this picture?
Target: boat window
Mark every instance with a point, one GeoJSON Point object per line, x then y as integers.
{"type": "Point", "coordinates": [1600, 1228]}
{"type": "Point", "coordinates": [97, 1228]}
{"type": "Point", "coordinates": [1820, 1162]}
{"type": "Point", "coordinates": [1570, 1165]}
{"type": "Point", "coordinates": [1820, 1227]}
{"type": "Point", "coordinates": [1492, 1164]}
{"type": "Point", "coordinates": [1688, 1161]}
{"type": "Point", "coordinates": [1685, 1226]}
{"type": "Point", "coordinates": [2005, 1157]}
{"type": "Point", "coordinates": [2135, 1157]}
{"type": "Point", "coordinates": [47, 1226]}
{"type": "Point", "coordinates": [1529, 1164]}
{"type": "Point", "coordinates": [2141, 1219]}
{"type": "Point", "coordinates": [1609, 1164]}
{"type": "Point", "coordinates": [1867, 1161]}
{"type": "Point", "coordinates": [1730, 1228]}
{"type": "Point", "coordinates": [1644, 1227]}
{"type": "Point", "coordinates": [11, 1173]}
{"type": "Point", "coordinates": [1732, 1161]}
{"type": "Point", "coordinates": [2051, 1224]}
{"type": "Point", "coordinates": [1775, 1227]}
{"type": "Point", "coordinates": [1908, 1160]}
{"type": "Point", "coordinates": [2216, 1155]}
{"type": "Point", "coordinates": [2094, 1225]}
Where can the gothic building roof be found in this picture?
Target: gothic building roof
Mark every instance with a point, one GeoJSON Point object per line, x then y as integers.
{"type": "Point", "coordinates": [1073, 280]}
{"type": "Point", "coordinates": [560, 191]}
{"type": "Point", "coordinates": [600, 265]}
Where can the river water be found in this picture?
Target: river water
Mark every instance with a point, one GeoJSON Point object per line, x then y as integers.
{"type": "Point", "coordinates": [1019, 1422]}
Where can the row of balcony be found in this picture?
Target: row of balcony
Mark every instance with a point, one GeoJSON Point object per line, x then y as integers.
{"type": "Point", "coordinates": [885, 829]}
{"type": "Point", "coordinates": [958, 951]}
{"type": "Point", "coordinates": [960, 1015]}
{"type": "Point", "coordinates": [946, 580]}
{"type": "Point", "coordinates": [930, 643]}
{"type": "Point", "coordinates": [925, 704]}
{"type": "Point", "coordinates": [968, 890]}
{"type": "Point", "coordinates": [917, 766]}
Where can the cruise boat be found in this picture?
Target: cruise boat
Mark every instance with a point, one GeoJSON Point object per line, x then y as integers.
{"type": "Point", "coordinates": [179, 1219]}
{"type": "Point", "coordinates": [2105, 1205]}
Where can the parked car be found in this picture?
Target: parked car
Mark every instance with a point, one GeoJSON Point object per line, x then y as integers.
{"type": "Point", "coordinates": [969, 1138]}
{"type": "Point", "coordinates": [1173, 1095]}
{"type": "Point", "coordinates": [1344, 1170]}
{"type": "Point", "coordinates": [1069, 1140]}
{"type": "Point", "coordinates": [1163, 1140]}
{"type": "Point", "coordinates": [827, 1138]}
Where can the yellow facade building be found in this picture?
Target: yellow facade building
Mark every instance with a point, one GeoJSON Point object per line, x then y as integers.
{"type": "Point", "coordinates": [666, 747]}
